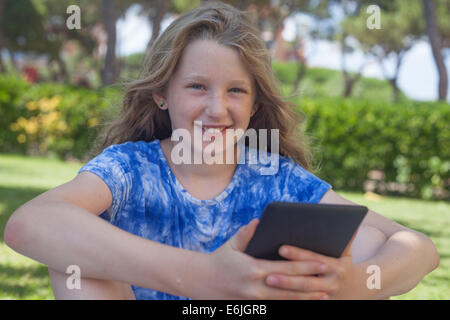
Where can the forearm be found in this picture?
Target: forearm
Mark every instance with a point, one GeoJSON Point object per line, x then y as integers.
{"type": "Point", "coordinates": [403, 261]}
{"type": "Point", "coordinates": [60, 234]}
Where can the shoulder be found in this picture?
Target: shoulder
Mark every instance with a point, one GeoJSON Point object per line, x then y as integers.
{"type": "Point", "coordinates": [128, 154]}
{"type": "Point", "coordinates": [124, 168]}
{"type": "Point", "coordinates": [304, 184]}
{"type": "Point", "coordinates": [132, 148]}
{"type": "Point", "coordinates": [295, 182]}
{"type": "Point", "coordinates": [124, 161]}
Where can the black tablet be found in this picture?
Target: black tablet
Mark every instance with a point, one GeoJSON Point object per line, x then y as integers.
{"type": "Point", "coordinates": [322, 228]}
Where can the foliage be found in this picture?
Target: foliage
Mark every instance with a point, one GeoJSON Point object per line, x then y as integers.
{"type": "Point", "coordinates": [407, 142]}
{"type": "Point", "coordinates": [51, 118]}
{"type": "Point", "coordinates": [322, 82]}
{"type": "Point", "coordinates": [23, 27]}
{"type": "Point", "coordinates": [11, 91]}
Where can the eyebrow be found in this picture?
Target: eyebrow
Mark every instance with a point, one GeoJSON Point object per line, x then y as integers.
{"type": "Point", "coordinates": [203, 78]}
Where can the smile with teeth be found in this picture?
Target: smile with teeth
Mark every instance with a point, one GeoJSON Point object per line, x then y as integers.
{"type": "Point", "coordinates": [213, 130]}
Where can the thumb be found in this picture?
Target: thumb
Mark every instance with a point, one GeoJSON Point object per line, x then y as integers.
{"type": "Point", "coordinates": [241, 239]}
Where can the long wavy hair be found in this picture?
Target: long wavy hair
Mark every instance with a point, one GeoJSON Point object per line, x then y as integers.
{"type": "Point", "coordinates": [141, 119]}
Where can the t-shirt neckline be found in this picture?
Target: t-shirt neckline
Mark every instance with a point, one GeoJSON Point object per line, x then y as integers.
{"type": "Point", "coordinates": [190, 197]}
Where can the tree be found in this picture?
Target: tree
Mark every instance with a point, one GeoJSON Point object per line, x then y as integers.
{"type": "Point", "coordinates": [109, 17]}
{"type": "Point", "coordinates": [39, 27]}
{"type": "Point", "coordinates": [436, 44]}
{"type": "Point", "coordinates": [350, 78]}
{"type": "Point", "coordinates": [156, 10]}
{"type": "Point", "coordinates": [349, 9]}
{"type": "Point", "coordinates": [23, 30]}
{"type": "Point", "coordinates": [401, 27]}
{"type": "Point", "coordinates": [2, 66]}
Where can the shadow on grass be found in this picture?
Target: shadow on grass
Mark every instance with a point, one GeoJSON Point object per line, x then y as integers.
{"type": "Point", "coordinates": [23, 282]}
{"type": "Point", "coordinates": [11, 199]}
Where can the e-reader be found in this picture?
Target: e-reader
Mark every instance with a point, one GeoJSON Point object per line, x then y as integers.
{"type": "Point", "coordinates": [323, 228]}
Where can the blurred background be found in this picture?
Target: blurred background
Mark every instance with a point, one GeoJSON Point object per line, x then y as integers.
{"type": "Point", "coordinates": [370, 77]}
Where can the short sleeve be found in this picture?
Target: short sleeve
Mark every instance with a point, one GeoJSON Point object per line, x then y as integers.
{"type": "Point", "coordinates": [306, 186]}
{"type": "Point", "coordinates": [112, 167]}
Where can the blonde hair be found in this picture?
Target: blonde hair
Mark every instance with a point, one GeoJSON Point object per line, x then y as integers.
{"type": "Point", "coordinates": [141, 119]}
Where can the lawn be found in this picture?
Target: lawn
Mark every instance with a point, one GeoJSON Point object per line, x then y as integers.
{"type": "Point", "coordinates": [22, 178]}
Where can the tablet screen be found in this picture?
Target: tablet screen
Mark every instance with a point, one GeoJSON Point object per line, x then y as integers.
{"type": "Point", "coordinates": [322, 228]}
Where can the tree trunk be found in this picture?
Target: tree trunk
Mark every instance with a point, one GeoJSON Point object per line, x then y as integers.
{"type": "Point", "coordinates": [436, 46]}
{"type": "Point", "coordinates": [394, 79]}
{"type": "Point", "coordinates": [243, 4]}
{"type": "Point", "coordinates": [13, 61]}
{"type": "Point", "coordinates": [2, 65]}
{"type": "Point", "coordinates": [156, 20]}
{"type": "Point", "coordinates": [395, 89]}
{"type": "Point", "coordinates": [299, 77]}
{"type": "Point", "coordinates": [109, 15]}
{"type": "Point", "coordinates": [302, 66]}
{"type": "Point", "coordinates": [350, 83]}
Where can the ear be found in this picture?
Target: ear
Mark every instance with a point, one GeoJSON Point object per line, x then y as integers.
{"type": "Point", "coordinates": [160, 101]}
{"type": "Point", "coordinates": [254, 109]}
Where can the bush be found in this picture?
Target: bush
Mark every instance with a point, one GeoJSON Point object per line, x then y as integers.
{"type": "Point", "coordinates": [11, 92]}
{"type": "Point", "coordinates": [407, 142]}
{"type": "Point", "coordinates": [54, 119]}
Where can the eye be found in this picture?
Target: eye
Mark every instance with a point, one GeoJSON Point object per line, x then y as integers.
{"type": "Point", "coordinates": [196, 86]}
{"type": "Point", "coordinates": [238, 90]}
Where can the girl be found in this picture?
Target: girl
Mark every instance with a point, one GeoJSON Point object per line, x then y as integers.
{"type": "Point", "coordinates": [178, 231]}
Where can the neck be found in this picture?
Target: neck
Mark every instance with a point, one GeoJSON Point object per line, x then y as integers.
{"type": "Point", "coordinates": [200, 171]}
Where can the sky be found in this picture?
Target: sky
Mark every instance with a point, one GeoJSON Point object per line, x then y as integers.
{"type": "Point", "coordinates": [418, 77]}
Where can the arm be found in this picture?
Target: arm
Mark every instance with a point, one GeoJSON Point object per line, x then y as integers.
{"type": "Point", "coordinates": [404, 258]}
{"type": "Point", "coordinates": [60, 228]}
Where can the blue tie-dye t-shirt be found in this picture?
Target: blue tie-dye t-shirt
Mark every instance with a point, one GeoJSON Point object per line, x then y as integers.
{"type": "Point", "coordinates": [150, 202]}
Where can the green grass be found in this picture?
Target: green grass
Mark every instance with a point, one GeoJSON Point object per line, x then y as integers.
{"type": "Point", "coordinates": [430, 218]}
{"type": "Point", "coordinates": [22, 178]}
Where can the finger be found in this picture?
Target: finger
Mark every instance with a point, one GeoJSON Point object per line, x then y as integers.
{"type": "Point", "coordinates": [283, 294]}
{"type": "Point", "coordinates": [294, 268]}
{"type": "Point", "coordinates": [300, 254]}
{"type": "Point", "coordinates": [298, 283]}
{"type": "Point", "coordinates": [242, 238]}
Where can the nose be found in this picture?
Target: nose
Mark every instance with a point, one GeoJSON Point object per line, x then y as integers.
{"type": "Point", "coordinates": [217, 106]}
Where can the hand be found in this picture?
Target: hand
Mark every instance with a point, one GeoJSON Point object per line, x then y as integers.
{"type": "Point", "coordinates": [232, 274]}
{"type": "Point", "coordinates": [336, 280]}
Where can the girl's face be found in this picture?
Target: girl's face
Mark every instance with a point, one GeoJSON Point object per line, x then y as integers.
{"type": "Point", "coordinates": [210, 85]}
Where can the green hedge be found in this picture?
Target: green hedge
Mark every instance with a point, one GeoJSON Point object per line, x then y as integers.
{"type": "Point", "coordinates": [50, 118]}
{"type": "Point", "coordinates": [11, 92]}
{"type": "Point", "coordinates": [408, 142]}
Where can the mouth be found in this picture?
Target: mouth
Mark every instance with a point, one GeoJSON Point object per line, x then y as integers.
{"type": "Point", "coordinates": [207, 130]}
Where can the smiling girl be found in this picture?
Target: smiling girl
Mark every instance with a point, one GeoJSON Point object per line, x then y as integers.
{"type": "Point", "coordinates": [178, 230]}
